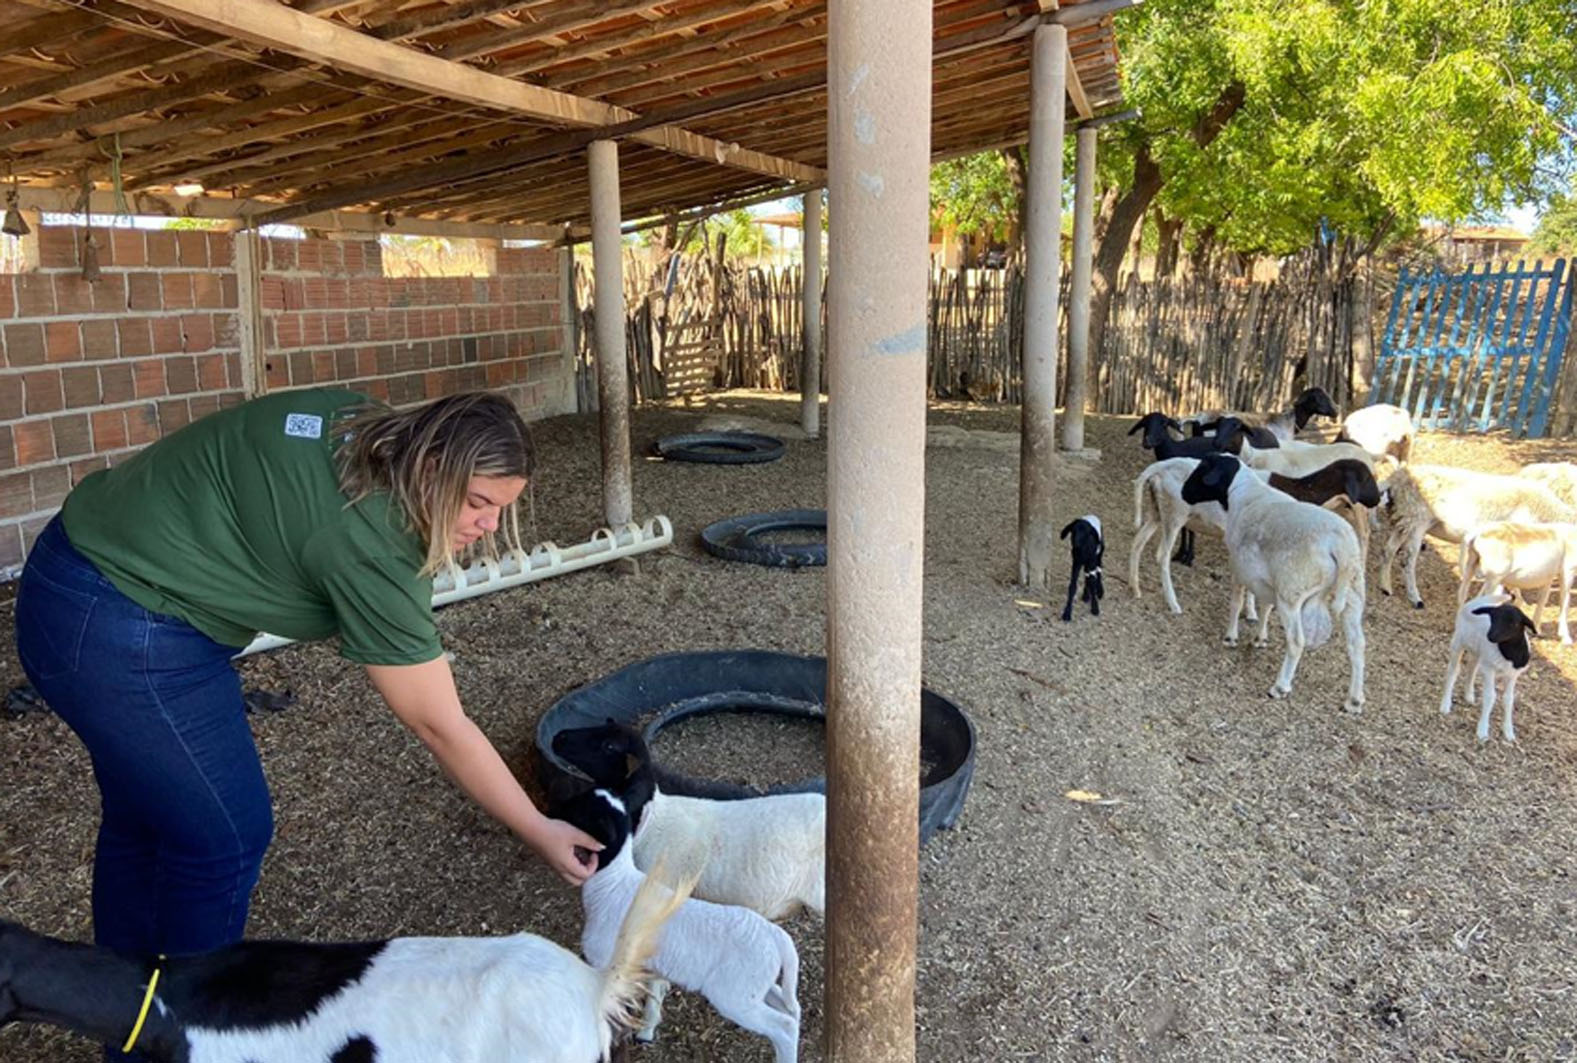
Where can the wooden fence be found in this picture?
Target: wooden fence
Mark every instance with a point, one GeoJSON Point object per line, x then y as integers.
{"type": "Point", "coordinates": [1174, 344]}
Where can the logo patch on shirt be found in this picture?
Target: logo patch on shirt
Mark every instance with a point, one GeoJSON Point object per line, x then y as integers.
{"type": "Point", "coordinates": [304, 425]}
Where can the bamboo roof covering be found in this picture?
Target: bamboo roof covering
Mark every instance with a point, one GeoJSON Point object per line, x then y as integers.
{"type": "Point", "coordinates": [474, 111]}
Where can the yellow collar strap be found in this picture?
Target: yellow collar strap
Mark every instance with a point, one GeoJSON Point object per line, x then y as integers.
{"type": "Point", "coordinates": [142, 1015]}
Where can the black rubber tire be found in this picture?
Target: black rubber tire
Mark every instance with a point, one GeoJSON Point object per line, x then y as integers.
{"type": "Point", "coordinates": [720, 448]}
{"type": "Point", "coordinates": [674, 686]}
{"type": "Point", "coordinates": [734, 539]}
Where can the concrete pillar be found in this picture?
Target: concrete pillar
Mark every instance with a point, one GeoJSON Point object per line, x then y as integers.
{"type": "Point", "coordinates": [613, 381]}
{"type": "Point", "coordinates": [567, 401]}
{"type": "Point", "coordinates": [1037, 534]}
{"type": "Point", "coordinates": [810, 364]}
{"type": "Point", "coordinates": [1079, 291]}
{"type": "Point", "coordinates": [878, 144]}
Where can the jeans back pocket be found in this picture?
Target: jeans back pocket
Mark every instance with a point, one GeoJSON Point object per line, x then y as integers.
{"type": "Point", "coordinates": [51, 623]}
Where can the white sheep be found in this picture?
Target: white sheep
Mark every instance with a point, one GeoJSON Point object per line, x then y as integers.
{"type": "Point", "coordinates": [1559, 476]}
{"type": "Point", "coordinates": [1495, 632]}
{"type": "Point", "coordinates": [408, 1000]}
{"type": "Point", "coordinates": [1301, 557]}
{"type": "Point", "coordinates": [766, 853]}
{"type": "Point", "coordinates": [1506, 554]}
{"type": "Point", "coordinates": [1383, 430]}
{"type": "Point", "coordinates": [1449, 503]}
{"type": "Point", "coordinates": [1298, 458]}
{"type": "Point", "coordinates": [745, 966]}
{"type": "Point", "coordinates": [1161, 483]}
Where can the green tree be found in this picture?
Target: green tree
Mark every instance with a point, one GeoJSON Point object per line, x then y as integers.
{"type": "Point", "coordinates": [1263, 119]}
{"type": "Point", "coordinates": [1557, 231]}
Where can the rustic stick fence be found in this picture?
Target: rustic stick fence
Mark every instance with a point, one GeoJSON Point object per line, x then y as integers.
{"type": "Point", "coordinates": [698, 321]}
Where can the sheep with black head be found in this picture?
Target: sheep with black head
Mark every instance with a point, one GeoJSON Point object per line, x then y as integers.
{"type": "Point", "coordinates": [1088, 548]}
{"type": "Point", "coordinates": [1495, 632]}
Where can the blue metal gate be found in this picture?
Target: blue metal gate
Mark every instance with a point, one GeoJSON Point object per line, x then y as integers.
{"type": "Point", "coordinates": [1476, 350]}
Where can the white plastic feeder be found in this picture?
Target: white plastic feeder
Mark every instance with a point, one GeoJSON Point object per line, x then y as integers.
{"type": "Point", "coordinates": [527, 566]}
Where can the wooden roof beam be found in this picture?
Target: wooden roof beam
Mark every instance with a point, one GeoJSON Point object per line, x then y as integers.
{"type": "Point", "coordinates": [266, 23]}
{"type": "Point", "coordinates": [572, 19]}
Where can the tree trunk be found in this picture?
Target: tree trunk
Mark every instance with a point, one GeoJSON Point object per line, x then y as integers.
{"type": "Point", "coordinates": [1171, 232]}
{"type": "Point", "coordinates": [1130, 208]}
{"type": "Point", "coordinates": [1018, 174]}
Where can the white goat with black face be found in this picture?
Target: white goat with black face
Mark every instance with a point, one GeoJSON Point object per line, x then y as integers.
{"type": "Point", "coordinates": [1495, 632]}
{"type": "Point", "coordinates": [1300, 557]}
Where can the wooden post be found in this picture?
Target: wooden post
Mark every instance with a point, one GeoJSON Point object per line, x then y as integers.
{"type": "Point", "coordinates": [1037, 534]}
{"type": "Point", "coordinates": [613, 380]}
{"type": "Point", "coordinates": [878, 141]}
{"type": "Point", "coordinates": [249, 312]}
{"type": "Point", "coordinates": [810, 365]}
{"type": "Point", "coordinates": [1079, 291]}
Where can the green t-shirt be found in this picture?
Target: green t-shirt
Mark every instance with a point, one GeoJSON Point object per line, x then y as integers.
{"type": "Point", "coordinates": [236, 524]}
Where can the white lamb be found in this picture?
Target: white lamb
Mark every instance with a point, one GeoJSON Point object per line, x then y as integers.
{"type": "Point", "coordinates": [1506, 554]}
{"type": "Point", "coordinates": [1495, 632]}
{"type": "Point", "coordinates": [744, 965]}
{"type": "Point", "coordinates": [1559, 476]}
{"type": "Point", "coordinates": [1162, 483]}
{"type": "Point", "coordinates": [1449, 503]}
{"type": "Point", "coordinates": [766, 853]}
{"type": "Point", "coordinates": [1385, 431]}
{"type": "Point", "coordinates": [1301, 557]}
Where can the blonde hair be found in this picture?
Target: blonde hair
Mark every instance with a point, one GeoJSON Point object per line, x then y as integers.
{"type": "Point", "coordinates": [425, 457]}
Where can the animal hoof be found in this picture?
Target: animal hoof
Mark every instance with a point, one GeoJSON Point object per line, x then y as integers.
{"type": "Point", "coordinates": [1229, 641]}
{"type": "Point", "coordinates": [1483, 736]}
{"type": "Point", "coordinates": [1260, 644]}
{"type": "Point", "coordinates": [1355, 708]}
{"type": "Point", "coordinates": [1276, 693]}
{"type": "Point", "coordinates": [1418, 605]}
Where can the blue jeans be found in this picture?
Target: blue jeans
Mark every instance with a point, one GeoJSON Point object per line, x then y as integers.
{"type": "Point", "coordinates": [186, 815]}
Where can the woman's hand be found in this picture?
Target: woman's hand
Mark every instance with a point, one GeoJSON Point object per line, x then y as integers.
{"type": "Point", "coordinates": [566, 848]}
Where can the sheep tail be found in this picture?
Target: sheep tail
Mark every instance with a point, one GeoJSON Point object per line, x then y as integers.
{"type": "Point", "coordinates": [624, 980]}
{"type": "Point", "coordinates": [1141, 486]}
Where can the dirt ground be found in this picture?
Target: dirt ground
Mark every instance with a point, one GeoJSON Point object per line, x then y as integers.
{"type": "Point", "coordinates": [1273, 880]}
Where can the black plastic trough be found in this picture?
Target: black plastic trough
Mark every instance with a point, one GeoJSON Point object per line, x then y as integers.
{"type": "Point", "coordinates": [679, 685]}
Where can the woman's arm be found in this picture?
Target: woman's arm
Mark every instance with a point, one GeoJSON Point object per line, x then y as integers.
{"type": "Point", "coordinates": [424, 698]}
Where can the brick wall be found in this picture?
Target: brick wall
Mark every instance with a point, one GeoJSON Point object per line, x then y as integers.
{"type": "Point", "coordinates": [89, 373]}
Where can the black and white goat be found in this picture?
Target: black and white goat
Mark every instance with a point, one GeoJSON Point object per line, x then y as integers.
{"type": "Point", "coordinates": [405, 1000]}
{"type": "Point", "coordinates": [1157, 439]}
{"type": "Point", "coordinates": [745, 966]}
{"type": "Point", "coordinates": [1088, 547]}
{"type": "Point", "coordinates": [1268, 430]}
{"type": "Point", "coordinates": [1495, 632]}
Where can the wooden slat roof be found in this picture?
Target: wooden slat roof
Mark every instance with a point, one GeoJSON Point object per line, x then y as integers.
{"type": "Point", "coordinates": [476, 110]}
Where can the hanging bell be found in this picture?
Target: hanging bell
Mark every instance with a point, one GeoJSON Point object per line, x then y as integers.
{"type": "Point", "coordinates": [90, 258]}
{"type": "Point", "coordinates": [15, 224]}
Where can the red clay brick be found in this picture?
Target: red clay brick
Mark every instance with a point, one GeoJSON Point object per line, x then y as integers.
{"type": "Point", "coordinates": [99, 339]}
{"type": "Point", "coordinates": [376, 389]}
{"type": "Point", "coordinates": [232, 369]}
{"type": "Point", "coordinates": [166, 334]}
{"type": "Point", "coordinates": [109, 294]}
{"type": "Point", "coordinates": [161, 248]}
{"type": "Point", "coordinates": [277, 372]}
{"type": "Point", "coordinates": [63, 341]}
{"type": "Point", "coordinates": [177, 290]}
{"type": "Point", "coordinates": [271, 293]}
{"type": "Point", "coordinates": [72, 436]}
{"type": "Point", "coordinates": [24, 345]}
{"type": "Point", "coordinates": [35, 442]}
{"type": "Point", "coordinates": [144, 291]}
{"type": "Point", "coordinates": [221, 250]}
{"type": "Point", "coordinates": [192, 249]}
{"type": "Point", "coordinates": [80, 384]}
{"type": "Point", "coordinates": [174, 414]}
{"type": "Point", "coordinates": [322, 365]}
{"type": "Point", "coordinates": [227, 330]}
{"type": "Point", "coordinates": [202, 405]}
{"type": "Point", "coordinates": [309, 256]}
{"type": "Point", "coordinates": [116, 384]}
{"type": "Point", "coordinates": [355, 259]}
{"type": "Point", "coordinates": [211, 372]}
{"type": "Point", "coordinates": [42, 393]}
{"type": "Point", "coordinates": [16, 494]}
{"type": "Point", "coordinates": [300, 368]}
{"type": "Point", "coordinates": [207, 292]}
{"type": "Point", "coordinates": [10, 397]}
{"type": "Point", "coordinates": [287, 330]}
{"type": "Point", "coordinates": [281, 254]}
{"type": "Point", "coordinates": [51, 484]}
{"type": "Point", "coordinates": [73, 295]}
{"type": "Point", "coordinates": [81, 470]}
{"type": "Point", "coordinates": [313, 332]}
{"type": "Point", "coordinates": [344, 364]}
{"type": "Point", "coordinates": [35, 295]}
{"type": "Point", "coordinates": [180, 375]}
{"type": "Point", "coordinates": [197, 332]}
{"type": "Point", "coordinates": [12, 553]}
{"type": "Point", "coordinates": [57, 247]}
{"type": "Point", "coordinates": [129, 246]}
{"type": "Point", "coordinates": [229, 291]}
{"type": "Point", "coordinates": [136, 341]}
{"type": "Point", "coordinates": [109, 429]}
{"type": "Point", "coordinates": [7, 448]}
{"type": "Point", "coordinates": [7, 296]}
{"type": "Point", "coordinates": [372, 257]}
{"type": "Point", "coordinates": [142, 423]}
{"type": "Point", "coordinates": [148, 380]}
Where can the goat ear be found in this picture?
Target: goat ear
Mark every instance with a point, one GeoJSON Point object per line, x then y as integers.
{"type": "Point", "coordinates": [1139, 424]}
{"type": "Point", "coordinates": [1172, 423]}
{"type": "Point", "coordinates": [1067, 529]}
